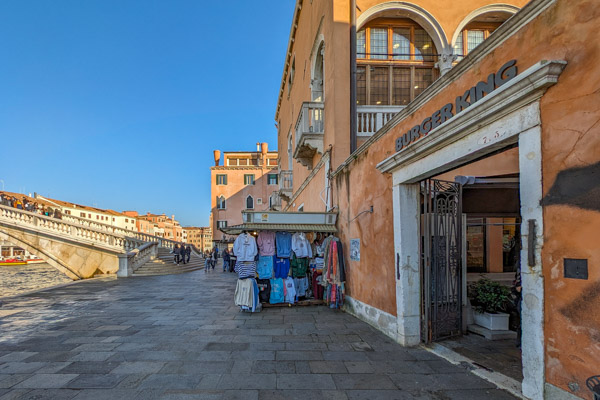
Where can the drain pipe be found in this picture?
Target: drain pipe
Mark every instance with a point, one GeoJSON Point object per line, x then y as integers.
{"type": "Point", "coordinates": [353, 121]}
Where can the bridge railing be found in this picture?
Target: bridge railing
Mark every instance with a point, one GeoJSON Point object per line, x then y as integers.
{"type": "Point", "coordinates": [110, 240]}
{"type": "Point", "coordinates": [132, 260]}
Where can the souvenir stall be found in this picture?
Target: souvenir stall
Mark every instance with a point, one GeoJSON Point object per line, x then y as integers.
{"type": "Point", "coordinates": [298, 262]}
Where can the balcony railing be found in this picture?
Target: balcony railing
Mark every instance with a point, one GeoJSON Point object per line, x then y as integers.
{"type": "Point", "coordinates": [285, 183]}
{"type": "Point", "coordinates": [370, 119]}
{"type": "Point", "coordinates": [275, 201]}
{"type": "Point", "coordinates": [309, 132]}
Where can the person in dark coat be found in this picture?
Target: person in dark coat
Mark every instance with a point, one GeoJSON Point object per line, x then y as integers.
{"type": "Point", "coordinates": [188, 252]}
{"type": "Point", "coordinates": [182, 253]}
{"type": "Point", "coordinates": [176, 254]}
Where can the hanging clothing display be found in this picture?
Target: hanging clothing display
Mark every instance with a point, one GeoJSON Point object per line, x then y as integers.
{"type": "Point", "coordinates": [281, 268]}
{"type": "Point", "coordinates": [299, 266]}
{"type": "Point", "coordinates": [277, 293]}
{"type": "Point", "coordinates": [244, 293]}
{"type": "Point", "coordinates": [264, 289]}
{"type": "Point", "coordinates": [265, 267]}
{"type": "Point", "coordinates": [245, 269]}
{"type": "Point", "coordinates": [244, 247]}
{"type": "Point", "coordinates": [266, 243]}
{"type": "Point", "coordinates": [283, 242]}
{"type": "Point", "coordinates": [289, 290]}
{"type": "Point", "coordinates": [301, 246]}
{"type": "Point", "coordinates": [334, 274]}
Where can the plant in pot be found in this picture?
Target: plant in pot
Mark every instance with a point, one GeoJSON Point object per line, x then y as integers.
{"type": "Point", "coordinates": [489, 300]}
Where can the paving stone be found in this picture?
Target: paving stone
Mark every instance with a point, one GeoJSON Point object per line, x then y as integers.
{"type": "Point", "coordinates": [327, 367]}
{"type": "Point", "coordinates": [302, 395]}
{"type": "Point", "coordinates": [95, 381]}
{"type": "Point", "coordinates": [49, 394]}
{"type": "Point", "coordinates": [21, 367]}
{"type": "Point", "coordinates": [363, 381]}
{"type": "Point", "coordinates": [46, 381]}
{"type": "Point", "coordinates": [17, 356]}
{"type": "Point", "coordinates": [274, 367]}
{"type": "Point", "coordinates": [181, 337]}
{"type": "Point", "coordinates": [169, 381]}
{"type": "Point", "coordinates": [304, 381]}
{"type": "Point", "coordinates": [92, 356]}
{"type": "Point", "coordinates": [248, 381]}
{"type": "Point", "coordinates": [138, 367]}
{"type": "Point", "coordinates": [8, 381]}
{"type": "Point", "coordinates": [299, 355]}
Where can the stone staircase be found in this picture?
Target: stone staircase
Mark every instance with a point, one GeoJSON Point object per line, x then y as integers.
{"type": "Point", "coordinates": [163, 265]}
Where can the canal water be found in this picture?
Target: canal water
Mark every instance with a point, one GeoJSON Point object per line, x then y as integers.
{"type": "Point", "coordinates": [17, 279]}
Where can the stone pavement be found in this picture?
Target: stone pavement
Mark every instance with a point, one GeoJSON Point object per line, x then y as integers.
{"type": "Point", "coordinates": [181, 337]}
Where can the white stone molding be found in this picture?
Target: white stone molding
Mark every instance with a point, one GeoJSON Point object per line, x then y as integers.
{"type": "Point", "coordinates": [524, 89]}
{"type": "Point", "coordinates": [414, 12]}
{"type": "Point", "coordinates": [532, 279]}
{"type": "Point", "coordinates": [378, 319]}
{"type": "Point", "coordinates": [506, 8]}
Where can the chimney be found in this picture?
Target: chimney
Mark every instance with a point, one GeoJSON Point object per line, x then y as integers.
{"type": "Point", "coordinates": [264, 148]}
{"type": "Point", "coordinates": [257, 146]}
{"type": "Point", "coordinates": [217, 155]}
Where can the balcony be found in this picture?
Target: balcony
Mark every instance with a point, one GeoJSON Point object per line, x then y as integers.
{"type": "Point", "coordinates": [370, 119]}
{"type": "Point", "coordinates": [309, 133]}
{"type": "Point", "coordinates": [285, 184]}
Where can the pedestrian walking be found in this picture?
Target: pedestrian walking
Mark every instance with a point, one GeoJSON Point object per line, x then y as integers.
{"type": "Point", "coordinates": [215, 258]}
{"type": "Point", "coordinates": [188, 253]}
{"type": "Point", "coordinates": [225, 260]}
{"type": "Point", "coordinates": [182, 253]}
{"type": "Point", "coordinates": [176, 254]}
{"type": "Point", "coordinates": [207, 261]}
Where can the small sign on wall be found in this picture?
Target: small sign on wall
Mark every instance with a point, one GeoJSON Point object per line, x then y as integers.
{"type": "Point", "coordinates": [355, 249]}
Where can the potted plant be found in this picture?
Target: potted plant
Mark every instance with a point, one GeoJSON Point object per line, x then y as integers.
{"type": "Point", "coordinates": [489, 300]}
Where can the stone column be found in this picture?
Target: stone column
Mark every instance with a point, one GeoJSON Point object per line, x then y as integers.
{"type": "Point", "coordinates": [406, 245]}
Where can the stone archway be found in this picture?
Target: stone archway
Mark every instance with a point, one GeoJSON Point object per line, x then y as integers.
{"type": "Point", "coordinates": [490, 8]}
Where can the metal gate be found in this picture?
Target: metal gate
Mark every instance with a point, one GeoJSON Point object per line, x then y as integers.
{"type": "Point", "coordinates": [441, 262]}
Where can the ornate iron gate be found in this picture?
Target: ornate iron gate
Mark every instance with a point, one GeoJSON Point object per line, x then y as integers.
{"type": "Point", "coordinates": [441, 262]}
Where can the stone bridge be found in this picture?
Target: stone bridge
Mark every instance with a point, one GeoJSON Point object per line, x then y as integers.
{"type": "Point", "coordinates": [77, 247]}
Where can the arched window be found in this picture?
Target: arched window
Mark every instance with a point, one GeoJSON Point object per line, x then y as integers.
{"type": "Point", "coordinates": [395, 62]}
{"type": "Point", "coordinates": [249, 202]}
{"type": "Point", "coordinates": [221, 203]}
{"type": "Point", "coordinates": [317, 88]}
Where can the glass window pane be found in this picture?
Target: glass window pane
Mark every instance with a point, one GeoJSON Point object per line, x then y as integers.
{"type": "Point", "coordinates": [474, 39]}
{"type": "Point", "coordinates": [423, 78]}
{"type": "Point", "coordinates": [379, 85]}
{"type": "Point", "coordinates": [379, 44]}
{"type": "Point", "coordinates": [424, 49]}
{"type": "Point", "coordinates": [401, 44]}
{"type": "Point", "coordinates": [361, 44]}
{"type": "Point", "coordinates": [401, 93]}
{"type": "Point", "coordinates": [361, 85]}
{"type": "Point", "coordinates": [458, 46]}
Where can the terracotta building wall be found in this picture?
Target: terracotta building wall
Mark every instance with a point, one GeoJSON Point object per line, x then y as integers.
{"type": "Point", "coordinates": [570, 146]}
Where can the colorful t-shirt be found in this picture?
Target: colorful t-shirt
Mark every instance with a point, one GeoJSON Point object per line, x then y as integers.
{"type": "Point", "coordinates": [290, 291]}
{"type": "Point", "coordinates": [266, 243]}
{"type": "Point", "coordinates": [282, 267]}
{"type": "Point", "coordinates": [299, 266]}
{"type": "Point", "coordinates": [276, 291]}
{"type": "Point", "coordinates": [284, 244]}
{"type": "Point", "coordinates": [265, 267]}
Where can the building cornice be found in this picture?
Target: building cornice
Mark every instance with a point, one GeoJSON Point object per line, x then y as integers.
{"type": "Point", "coordinates": [288, 56]}
{"type": "Point", "coordinates": [509, 28]}
{"type": "Point", "coordinates": [243, 167]}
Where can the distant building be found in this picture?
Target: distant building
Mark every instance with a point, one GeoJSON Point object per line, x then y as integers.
{"type": "Point", "coordinates": [108, 217]}
{"type": "Point", "coordinates": [162, 226]}
{"type": "Point", "coordinates": [245, 181]}
{"type": "Point", "coordinates": [201, 237]}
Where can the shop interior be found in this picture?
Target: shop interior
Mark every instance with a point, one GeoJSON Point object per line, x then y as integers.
{"type": "Point", "coordinates": [491, 243]}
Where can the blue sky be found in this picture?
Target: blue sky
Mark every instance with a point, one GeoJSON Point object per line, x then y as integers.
{"type": "Point", "coordinates": [120, 103]}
